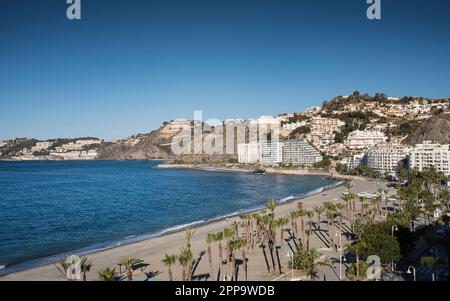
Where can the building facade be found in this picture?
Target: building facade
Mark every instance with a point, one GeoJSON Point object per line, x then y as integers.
{"type": "Point", "coordinates": [249, 153]}
{"type": "Point", "coordinates": [364, 139]}
{"type": "Point", "coordinates": [323, 131]}
{"type": "Point", "coordinates": [385, 159]}
{"type": "Point", "coordinates": [299, 152]}
{"type": "Point", "coordinates": [271, 153]}
{"type": "Point", "coordinates": [428, 155]}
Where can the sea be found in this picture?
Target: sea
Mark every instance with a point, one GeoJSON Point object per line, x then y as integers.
{"type": "Point", "coordinates": [52, 208]}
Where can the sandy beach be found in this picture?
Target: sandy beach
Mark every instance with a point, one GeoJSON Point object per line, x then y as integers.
{"type": "Point", "coordinates": [152, 251]}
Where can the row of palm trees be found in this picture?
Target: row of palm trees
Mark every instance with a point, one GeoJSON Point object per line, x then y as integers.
{"type": "Point", "coordinates": [265, 230]}
{"type": "Point", "coordinates": [261, 229]}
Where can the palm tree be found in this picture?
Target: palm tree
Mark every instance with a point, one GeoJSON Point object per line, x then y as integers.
{"type": "Point", "coordinates": [330, 210]}
{"type": "Point", "coordinates": [292, 217]}
{"type": "Point", "coordinates": [185, 260]}
{"type": "Point", "coordinates": [281, 222]}
{"type": "Point", "coordinates": [218, 237]}
{"type": "Point", "coordinates": [107, 274]}
{"type": "Point", "coordinates": [85, 267]}
{"type": "Point", "coordinates": [246, 223]}
{"type": "Point", "coordinates": [188, 234]}
{"type": "Point", "coordinates": [309, 214]}
{"type": "Point", "coordinates": [209, 239]}
{"type": "Point", "coordinates": [318, 209]}
{"type": "Point", "coordinates": [128, 263]}
{"type": "Point", "coordinates": [271, 205]}
{"type": "Point", "coordinates": [313, 273]}
{"type": "Point", "coordinates": [340, 212]}
{"type": "Point", "coordinates": [362, 200]}
{"type": "Point", "coordinates": [432, 263]}
{"type": "Point", "coordinates": [308, 234]}
{"type": "Point", "coordinates": [169, 261]}
{"type": "Point", "coordinates": [244, 258]}
{"type": "Point", "coordinates": [228, 234]}
{"type": "Point", "coordinates": [347, 199]}
{"type": "Point", "coordinates": [233, 245]}
{"type": "Point", "coordinates": [235, 225]}
{"type": "Point", "coordinates": [301, 213]}
{"type": "Point", "coordinates": [357, 248]}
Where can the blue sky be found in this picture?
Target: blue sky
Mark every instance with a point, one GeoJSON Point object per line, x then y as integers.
{"type": "Point", "coordinates": [127, 66]}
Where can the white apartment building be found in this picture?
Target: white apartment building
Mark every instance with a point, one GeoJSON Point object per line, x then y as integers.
{"type": "Point", "coordinates": [364, 139]}
{"type": "Point", "coordinates": [41, 146]}
{"type": "Point", "coordinates": [430, 154]}
{"type": "Point", "coordinates": [249, 153]}
{"type": "Point", "coordinates": [2, 143]}
{"type": "Point", "coordinates": [292, 126]}
{"type": "Point", "coordinates": [299, 152]}
{"type": "Point", "coordinates": [77, 155]}
{"type": "Point", "coordinates": [271, 153]}
{"type": "Point", "coordinates": [385, 159]}
{"type": "Point", "coordinates": [77, 145]}
{"type": "Point", "coordinates": [355, 160]}
{"type": "Point", "coordinates": [323, 130]}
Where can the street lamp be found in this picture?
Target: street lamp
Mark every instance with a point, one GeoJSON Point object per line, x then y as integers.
{"type": "Point", "coordinates": [340, 254]}
{"type": "Point", "coordinates": [394, 228]}
{"type": "Point", "coordinates": [413, 272]}
{"type": "Point", "coordinates": [290, 254]}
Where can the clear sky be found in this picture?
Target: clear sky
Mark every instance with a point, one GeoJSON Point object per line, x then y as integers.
{"type": "Point", "coordinates": [127, 66]}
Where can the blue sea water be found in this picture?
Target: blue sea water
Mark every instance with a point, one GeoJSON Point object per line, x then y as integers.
{"type": "Point", "coordinates": [48, 208]}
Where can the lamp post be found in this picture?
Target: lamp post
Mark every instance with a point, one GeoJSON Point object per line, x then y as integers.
{"type": "Point", "coordinates": [290, 254]}
{"type": "Point", "coordinates": [394, 228]}
{"type": "Point", "coordinates": [413, 272]}
{"type": "Point", "coordinates": [340, 254]}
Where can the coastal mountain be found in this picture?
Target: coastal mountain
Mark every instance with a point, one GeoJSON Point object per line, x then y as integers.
{"type": "Point", "coordinates": [155, 145]}
{"type": "Point", "coordinates": [408, 119]}
{"type": "Point", "coordinates": [436, 129]}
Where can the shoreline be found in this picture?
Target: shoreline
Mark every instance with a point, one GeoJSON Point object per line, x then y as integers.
{"type": "Point", "coordinates": [118, 243]}
{"type": "Point", "coordinates": [153, 249]}
{"type": "Point", "coordinates": [269, 171]}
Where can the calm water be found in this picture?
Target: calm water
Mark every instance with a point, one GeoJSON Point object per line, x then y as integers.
{"type": "Point", "coordinates": [48, 208]}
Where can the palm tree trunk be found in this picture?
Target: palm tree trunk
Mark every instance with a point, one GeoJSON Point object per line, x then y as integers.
{"type": "Point", "coordinates": [244, 259]}
{"type": "Point", "coordinates": [210, 260]}
{"type": "Point", "coordinates": [170, 274]}
{"type": "Point", "coordinates": [183, 274]}
{"type": "Point", "coordinates": [278, 260]}
{"type": "Point", "coordinates": [271, 255]}
{"type": "Point", "coordinates": [265, 258]}
{"type": "Point", "coordinates": [220, 252]}
{"type": "Point", "coordinates": [233, 262]}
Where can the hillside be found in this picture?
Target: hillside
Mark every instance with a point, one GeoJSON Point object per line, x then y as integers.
{"type": "Point", "coordinates": [436, 129]}
{"type": "Point", "coordinates": [155, 145]}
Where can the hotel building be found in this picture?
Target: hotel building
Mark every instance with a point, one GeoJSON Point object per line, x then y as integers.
{"type": "Point", "coordinates": [271, 153]}
{"type": "Point", "coordinates": [364, 139]}
{"type": "Point", "coordinates": [299, 152]}
{"type": "Point", "coordinates": [430, 154]}
{"type": "Point", "coordinates": [385, 159]}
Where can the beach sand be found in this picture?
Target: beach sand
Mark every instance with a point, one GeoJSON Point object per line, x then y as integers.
{"type": "Point", "coordinates": [152, 251]}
